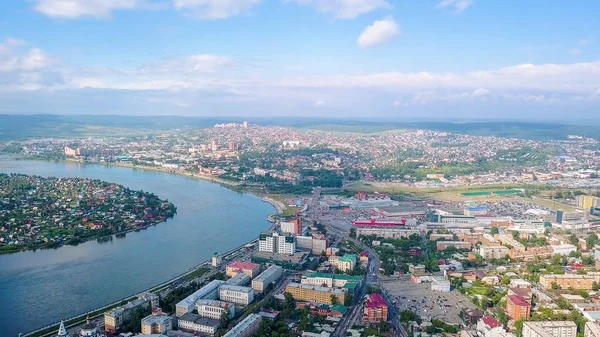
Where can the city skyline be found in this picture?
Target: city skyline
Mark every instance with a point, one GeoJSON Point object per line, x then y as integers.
{"type": "Point", "coordinates": [386, 59]}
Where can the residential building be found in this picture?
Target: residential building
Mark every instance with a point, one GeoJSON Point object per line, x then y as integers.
{"type": "Point", "coordinates": [240, 279]}
{"type": "Point", "coordinates": [195, 323]}
{"type": "Point", "coordinates": [591, 330]}
{"type": "Point", "coordinates": [274, 242]}
{"type": "Point", "coordinates": [517, 307]}
{"type": "Point", "coordinates": [318, 294]}
{"type": "Point", "coordinates": [376, 309]}
{"type": "Point", "coordinates": [488, 326]}
{"type": "Point", "coordinates": [156, 323]}
{"type": "Point", "coordinates": [214, 308]}
{"type": "Point", "coordinates": [435, 237]}
{"type": "Point", "coordinates": [293, 226]}
{"type": "Point", "coordinates": [114, 318]}
{"type": "Point", "coordinates": [236, 294]}
{"type": "Point", "coordinates": [565, 281]}
{"type": "Point", "coordinates": [587, 201]}
{"type": "Point", "coordinates": [344, 263]}
{"type": "Point", "coordinates": [248, 268]}
{"type": "Point", "coordinates": [549, 329]}
{"type": "Point", "coordinates": [386, 231]}
{"type": "Point", "coordinates": [267, 277]}
{"type": "Point", "coordinates": [476, 210]}
{"type": "Point", "coordinates": [564, 249]}
{"type": "Point", "coordinates": [332, 280]}
{"type": "Point", "coordinates": [316, 244]}
{"type": "Point", "coordinates": [493, 252]}
{"type": "Point", "coordinates": [209, 291]}
{"type": "Point", "coordinates": [443, 245]}
{"type": "Point", "coordinates": [246, 327]}
{"type": "Point", "coordinates": [416, 270]}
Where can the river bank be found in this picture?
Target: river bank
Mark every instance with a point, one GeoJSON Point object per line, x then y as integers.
{"type": "Point", "coordinates": [209, 218]}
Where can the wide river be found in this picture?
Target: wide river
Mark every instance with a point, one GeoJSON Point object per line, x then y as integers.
{"type": "Point", "coordinates": [41, 287]}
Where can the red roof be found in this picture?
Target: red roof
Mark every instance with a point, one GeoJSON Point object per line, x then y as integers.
{"type": "Point", "coordinates": [375, 301]}
{"type": "Point", "coordinates": [490, 321]}
{"type": "Point", "coordinates": [363, 253]}
{"type": "Point", "coordinates": [243, 265]}
{"type": "Point", "coordinates": [518, 300]}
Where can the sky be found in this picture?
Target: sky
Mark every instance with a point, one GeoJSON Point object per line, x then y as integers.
{"type": "Point", "coordinates": [394, 59]}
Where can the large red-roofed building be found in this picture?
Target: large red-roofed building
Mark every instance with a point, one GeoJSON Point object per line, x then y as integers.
{"type": "Point", "coordinates": [517, 307]}
{"type": "Point", "coordinates": [248, 268]}
{"type": "Point", "coordinates": [376, 309]}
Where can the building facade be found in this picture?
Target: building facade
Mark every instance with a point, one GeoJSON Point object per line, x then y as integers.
{"type": "Point", "coordinates": [248, 268]}
{"type": "Point", "coordinates": [344, 263]}
{"type": "Point", "coordinates": [376, 309]}
{"type": "Point", "coordinates": [214, 308]}
{"type": "Point", "coordinates": [549, 329]}
{"type": "Point", "coordinates": [274, 242]}
{"type": "Point", "coordinates": [157, 323]}
{"type": "Point", "coordinates": [493, 252]}
{"type": "Point", "coordinates": [197, 324]}
{"type": "Point", "coordinates": [246, 327]}
{"type": "Point", "coordinates": [209, 291]}
{"type": "Point", "coordinates": [267, 277]}
{"type": "Point", "coordinates": [318, 294]}
{"type": "Point", "coordinates": [517, 307]}
{"type": "Point", "coordinates": [236, 294]}
{"type": "Point", "coordinates": [565, 281]}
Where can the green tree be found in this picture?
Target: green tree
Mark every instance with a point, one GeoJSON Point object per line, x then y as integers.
{"type": "Point", "coordinates": [591, 240]}
{"type": "Point", "coordinates": [353, 232]}
{"type": "Point", "coordinates": [334, 300]}
{"type": "Point", "coordinates": [494, 230]}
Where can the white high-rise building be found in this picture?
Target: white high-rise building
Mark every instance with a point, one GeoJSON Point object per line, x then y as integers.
{"type": "Point", "coordinates": [273, 242]}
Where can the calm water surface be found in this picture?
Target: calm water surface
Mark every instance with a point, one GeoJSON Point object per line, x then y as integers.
{"type": "Point", "coordinates": [38, 288]}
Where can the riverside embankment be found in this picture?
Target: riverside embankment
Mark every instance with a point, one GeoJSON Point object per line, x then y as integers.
{"type": "Point", "coordinates": [41, 287]}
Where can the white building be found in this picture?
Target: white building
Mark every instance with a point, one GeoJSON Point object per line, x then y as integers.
{"type": "Point", "coordinates": [440, 284]}
{"type": "Point", "coordinates": [386, 232]}
{"type": "Point", "coordinates": [195, 323]}
{"type": "Point", "coordinates": [216, 260]}
{"type": "Point", "coordinates": [236, 294]}
{"type": "Point", "coordinates": [489, 327]}
{"type": "Point", "coordinates": [549, 329]}
{"type": "Point", "coordinates": [269, 276]}
{"type": "Point", "coordinates": [564, 249]}
{"type": "Point", "coordinates": [246, 327]}
{"type": "Point", "coordinates": [591, 330]}
{"type": "Point", "coordinates": [280, 243]}
{"type": "Point", "coordinates": [493, 252]}
{"type": "Point", "coordinates": [214, 308]}
{"type": "Point", "coordinates": [209, 291]}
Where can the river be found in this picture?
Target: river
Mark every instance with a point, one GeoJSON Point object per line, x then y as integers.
{"type": "Point", "coordinates": [41, 287]}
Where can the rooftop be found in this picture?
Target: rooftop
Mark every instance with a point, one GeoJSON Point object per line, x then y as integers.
{"type": "Point", "coordinates": [375, 301]}
{"type": "Point", "coordinates": [490, 321]}
{"type": "Point", "coordinates": [268, 272]}
{"type": "Point", "coordinates": [518, 300]}
{"type": "Point", "coordinates": [197, 319]}
{"type": "Point", "coordinates": [236, 288]}
{"type": "Point", "coordinates": [316, 288]}
{"type": "Point", "coordinates": [243, 265]}
{"type": "Point", "coordinates": [335, 276]}
{"type": "Point", "coordinates": [243, 325]}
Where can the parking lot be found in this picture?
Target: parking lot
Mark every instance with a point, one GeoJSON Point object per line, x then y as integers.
{"type": "Point", "coordinates": [428, 304]}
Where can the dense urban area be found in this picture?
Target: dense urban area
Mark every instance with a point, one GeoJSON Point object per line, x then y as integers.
{"type": "Point", "coordinates": [398, 233]}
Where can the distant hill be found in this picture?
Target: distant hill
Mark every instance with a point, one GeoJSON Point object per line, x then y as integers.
{"type": "Point", "coordinates": [67, 126]}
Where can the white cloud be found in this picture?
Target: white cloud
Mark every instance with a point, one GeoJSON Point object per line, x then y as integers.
{"type": "Point", "coordinates": [201, 63]}
{"type": "Point", "coordinates": [346, 9]}
{"type": "Point", "coordinates": [10, 44]}
{"type": "Point", "coordinates": [380, 32]}
{"type": "Point", "coordinates": [73, 9]}
{"type": "Point", "coordinates": [320, 103]}
{"type": "Point", "coordinates": [575, 51]}
{"type": "Point", "coordinates": [214, 9]}
{"type": "Point", "coordinates": [582, 42]}
{"type": "Point", "coordinates": [480, 92]}
{"type": "Point", "coordinates": [458, 5]}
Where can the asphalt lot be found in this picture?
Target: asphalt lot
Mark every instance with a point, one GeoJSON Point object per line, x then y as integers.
{"type": "Point", "coordinates": [426, 303]}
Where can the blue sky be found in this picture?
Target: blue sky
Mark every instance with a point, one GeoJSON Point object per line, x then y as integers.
{"type": "Point", "coordinates": [347, 58]}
